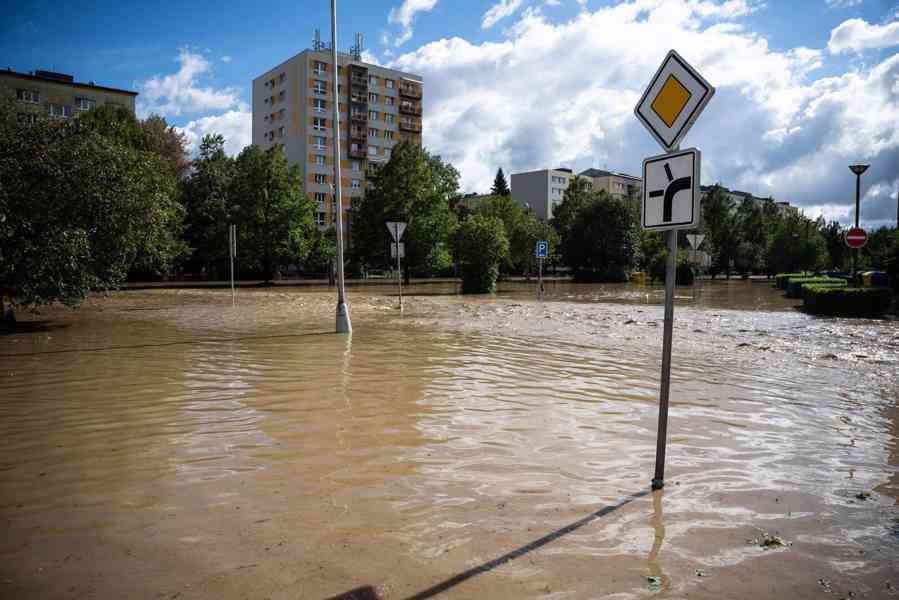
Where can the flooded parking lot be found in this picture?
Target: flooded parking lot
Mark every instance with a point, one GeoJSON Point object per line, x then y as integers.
{"type": "Point", "coordinates": [164, 444]}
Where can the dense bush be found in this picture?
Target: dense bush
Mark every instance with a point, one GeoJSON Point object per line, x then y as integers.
{"type": "Point", "coordinates": [794, 285]}
{"type": "Point", "coordinates": [480, 245]}
{"type": "Point", "coordinates": [684, 275]}
{"type": "Point", "coordinates": [803, 288]}
{"type": "Point", "coordinates": [780, 280]}
{"type": "Point", "coordinates": [846, 301]}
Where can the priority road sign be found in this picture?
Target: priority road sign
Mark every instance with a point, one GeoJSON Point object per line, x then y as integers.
{"type": "Point", "coordinates": [673, 100]}
{"type": "Point", "coordinates": [856, 237]}
{"type": "Point", "coordinates": [542, 249]}
{"type": "Point", "coordinates": [396, 229]}
{"type": "Point", "coordinates": [671, 190]}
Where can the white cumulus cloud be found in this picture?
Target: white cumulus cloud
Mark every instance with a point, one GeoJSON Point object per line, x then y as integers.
{"type": "Point", "coordinates": [181, 92]}
{"type": "Point", "coordinates": [499, 11]}
{"type": "Point", "coordinates": [235, 126]}
{"type": "Point", "coordinates": [405, 13]}
{"type": "Point", "coordinates": [856, 35]}
{"type": "Point", "coordinates": [556, 93]}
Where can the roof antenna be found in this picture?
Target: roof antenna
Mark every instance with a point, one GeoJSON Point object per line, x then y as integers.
{"type": "Point", "coordinates": [358, 47]}
{"type": "Point", "coordinates": [317, 44]}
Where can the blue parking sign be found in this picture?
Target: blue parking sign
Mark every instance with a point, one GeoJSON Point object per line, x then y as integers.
{"type": "Point", "coordinates": [542, 249]}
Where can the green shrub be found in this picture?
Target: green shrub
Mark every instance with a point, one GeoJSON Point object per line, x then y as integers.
{"type": "Point", "coordinates": [846, 301]}
{"type": "Point", "coordinates": [794, 284]}
{"type": "Point", "coordinates": [780, 280]}
{"type": "Point", "coordinates": [684, 275]}
{"type": "Point", "coordinates": [803, 289]}
{"type": "Point", "coordinates": [480, 244]}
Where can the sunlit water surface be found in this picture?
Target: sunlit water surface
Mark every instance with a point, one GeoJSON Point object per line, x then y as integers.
{"type": "Point", "coordinates": [166, 444]}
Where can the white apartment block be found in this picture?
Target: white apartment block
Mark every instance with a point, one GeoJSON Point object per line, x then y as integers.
{"type": "Point", "coordinates": [293, 106]}
{"type": "Point", "coordinates": [541, 191]}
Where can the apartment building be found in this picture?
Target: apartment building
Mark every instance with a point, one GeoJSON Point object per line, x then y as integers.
{"type": "Point", "coordinates": [57, 94]}
{"type": "Point", "coordinates": [618, 185]}
{"type": "Point", "coordinates": [539, 192]}
{"type": "Point", "coordinates": [738, 196]}
{"type": "Point", "coordinates": [293, 106]}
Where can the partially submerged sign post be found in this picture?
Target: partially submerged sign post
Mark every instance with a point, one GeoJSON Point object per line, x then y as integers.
{"type": "Point", "coordinates": [397, 250]}
{"type": "Point", "coordinates": [541, 252]}
{"type": "Point", "coordinates": [232, 247]}
{"type": "Point", "coordinates": [672, 102]}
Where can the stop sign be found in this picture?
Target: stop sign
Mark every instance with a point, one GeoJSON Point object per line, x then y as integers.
{"type": "Point", "coordinates": [856, 237]}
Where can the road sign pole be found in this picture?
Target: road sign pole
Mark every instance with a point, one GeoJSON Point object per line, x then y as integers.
{"type": "Point", "coordinates": [399, 274]}
{"type": "Point", "coordinates": [343, 324]}
{"type": "Point", "coordinates": [540, 278]}
{"type": "Point", "coordinates": [232, 250]}
{"type": "Point", "coordinates": [658, 481]}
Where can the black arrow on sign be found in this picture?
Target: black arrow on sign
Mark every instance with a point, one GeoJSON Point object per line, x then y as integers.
{"type": "Point", "coordinates": [675, 186]}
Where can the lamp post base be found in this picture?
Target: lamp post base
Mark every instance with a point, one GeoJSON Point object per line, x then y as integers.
{"type": "Point", "coordinates": [343, 319]}
{"type": "Point", "coordinates": [658, 484]}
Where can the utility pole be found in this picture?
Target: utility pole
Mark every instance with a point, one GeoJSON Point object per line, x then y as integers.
{"type": "Point", "coordinates": [858, 170]}
{"type": "Point", "coordinates": [343, 311]}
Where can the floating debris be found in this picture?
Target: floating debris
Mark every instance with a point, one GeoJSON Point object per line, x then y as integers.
{"type": "Point", "coordinates": [654, 583]}
{"type": "Point", "coordinates": [769, 541]}
{"type": "Point", "coordinates": [865, 495]}
{"type": "Point", "coordinates": [700, 573]}
{"type": "Point", "coordinates": [825, 585]}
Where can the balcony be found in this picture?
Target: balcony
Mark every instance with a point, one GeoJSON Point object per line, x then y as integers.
{"type": "Point", "coordinates": [407, 126]}
{"type": "Point", "coordinates": [359, 118]}
{"type": "Point", "coordinates": [410, 91]}
{"type": "Point", "coordinates": [358, 81]}
{"type": "Point", "coordinates": [408, 108]}
{"type": "Point", "coordinates": [356, 152]}
{"type": "Point", "coordinates": [371, 170]}
{"type": "Point", "coordinates": [358, 135]}
{"type": "Point", "coordinates": [359, 98]}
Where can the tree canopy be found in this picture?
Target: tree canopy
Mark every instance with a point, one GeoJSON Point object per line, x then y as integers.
{"type": "Point", "coordinates": [500, 187]}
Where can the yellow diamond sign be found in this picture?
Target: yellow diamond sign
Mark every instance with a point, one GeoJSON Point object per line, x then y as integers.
{"type": "Point", "coordinates": [673, 101]}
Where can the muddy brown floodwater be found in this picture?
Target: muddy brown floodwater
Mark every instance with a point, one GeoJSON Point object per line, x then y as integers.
{"type": "Point", "coordinates": [164, 444]}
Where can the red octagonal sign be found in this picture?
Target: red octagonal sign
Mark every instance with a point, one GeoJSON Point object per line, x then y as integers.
{"type": "Point", "coordinates": [856, 237]}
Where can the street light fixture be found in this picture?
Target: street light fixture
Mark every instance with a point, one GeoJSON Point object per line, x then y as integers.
{"type": "Point", "coordinates": [858, 170]}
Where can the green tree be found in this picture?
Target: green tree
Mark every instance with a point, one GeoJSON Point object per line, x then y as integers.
{"type": "Point", "coordinates": [417, 188]}
{"type": "Point", "coordinates": [322, 252]}
{"type": "Point", "coordinates": [209, 209]}
{"type": "Point", "coordinates": [480, 244]}
{"type": "Point", "coordinates": [500, 187]}
{"type": "Point", "coordinates": [749, 253]}
{"type": "Point", "coordinates": [78, 209]}
{"type": "Point", "coordinates": [796, 245]}
{"type": "Point", "coordinates": [272, 210]}
{"type": "Point", "coordinates": [576, 197]}
{"type": "Point", "coordinates": [875, 251]}
{"type": "Point", "coordinates": [602, 242]}
{"type": "Point", "coordinates": [719, 223]}
{"type": "Point", "coordinates": [512, 216]}
{"type": "Point", "coordinates": [835, 243]}
{"type": "Point", "coordinates": [523, 243]}
{"type": "Point", "coordinates": [891, 263]}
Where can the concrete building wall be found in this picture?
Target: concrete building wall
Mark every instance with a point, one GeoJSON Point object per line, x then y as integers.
{"type": "Point", "coordinates": [531, 191]}
{"type": "Point", "coordinates": [35, 94]}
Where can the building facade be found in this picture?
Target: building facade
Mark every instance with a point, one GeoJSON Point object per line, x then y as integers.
{"type": "Point", "coordinates": [539, 192]}
{"type": "Point", "coordinates": [617, 185]}
{"type": "Point", "coordinates": [293, 106]}
{"type": "Point", "coordinates": [57, 94]}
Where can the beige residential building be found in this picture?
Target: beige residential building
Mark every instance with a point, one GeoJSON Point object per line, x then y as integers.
{"type": "Point", "coordinates": [618, 185]}
{"type": "Point", "coordinates": [293, 107]}
{"type": "Point", "coordinates": [57, 94]}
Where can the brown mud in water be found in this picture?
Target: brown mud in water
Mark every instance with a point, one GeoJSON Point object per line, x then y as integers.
{"type": "Point", "coordinates": [164, 444]}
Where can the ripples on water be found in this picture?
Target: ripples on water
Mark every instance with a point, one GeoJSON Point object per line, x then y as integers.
{"type": "Point", "coordinates": [247, 451]}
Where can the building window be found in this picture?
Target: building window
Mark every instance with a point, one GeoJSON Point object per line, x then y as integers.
{"type": "Point", "coordinates": [372, 80]}
{"type": "Point", "coordinates": [373, 115]}
{"type": "Point", "coordinates": [372, 97]}
{"type": "Point", "coordinates": [354, 147]}
{"type": "Point", "coordinates": [320, 199]}
{"type": "Point", "coordinates": [84, 104]}
{"type": "Point", "coordinates": [357, 166]}
{"type": "Point", "coordinates": [356, 184]}
{"type": "Point", "coordinates": [27, 118]}
{"type": "Point", "coordinates": [281, 131]}
{"type": "Point", "coordinates": [59, 110]}
{"type": "Point", "coordinates": [318, 142]}
{"type": "Point", "coordinates": [319, 123]}
{"type": "Point", "coordinates": [320, 87]}
{"type": "Point", "coordinates": [281, 78]}
{"type": "Point", "coordinates": [388, 135]}
{"type": "Point", "coordinates": [372, 150]}
{"type": "Point", "coordinates": [319, 105]}
{"type": "Point", "coordinates": [28, 96]}
{"type": "Point", "coordinates": [320, 218]}
{"type": "Point", "coordinates": [281, 96]}
{"type": "Point", "coordinates": [319, 160]}
{"type": "Point", "coordinates": [321, 179]}
{"type": "Point", "coordinates": [388, 83]}
{"type": "Point", "coordinates": [320, 67]}
{"type": "Point", "coordinates": [388, 101]}
{"type": "Point", "coordinates": [281, 113]}
{"type": "Point", "coordinates": [372, 132]}
{"type": "Point", "coordinates": [388, 118]}
{"type": "Point", "coordinates": [387, 153]}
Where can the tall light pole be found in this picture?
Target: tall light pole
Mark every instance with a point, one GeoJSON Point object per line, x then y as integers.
{"type": "Point", "coordinates": [858, 170]}
{"type": "Point", "coordinates": [343, 312]}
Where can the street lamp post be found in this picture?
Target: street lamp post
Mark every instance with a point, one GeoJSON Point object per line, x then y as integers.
{"type": "Point", "coordinates": [858, 170]}
{"type": "Point", "coordinates": [343, 311]}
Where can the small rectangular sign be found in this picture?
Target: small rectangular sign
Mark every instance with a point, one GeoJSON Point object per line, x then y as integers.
{"type": "Point", "coordinates": [393, 246]}
{"type": "Point", "coordinates": [671, 190]}
{"type": "Point", "coordinates": [542, 250]}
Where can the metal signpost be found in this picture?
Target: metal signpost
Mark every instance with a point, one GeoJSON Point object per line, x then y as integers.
{"type": "Point", "coordinates": [859, 235]}
{"type": "Point", "coordinates": [232, 250]}
{"type": "Point", "coordinates": [668, 108]}
{"type": "Point", "coordinates": [397, 250]}
{"type": "Point", "coordinates": [343, 324]}
{"type": "Point", "coordinates": [541, 252]}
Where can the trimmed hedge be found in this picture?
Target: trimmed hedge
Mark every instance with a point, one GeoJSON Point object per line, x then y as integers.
{"type": "Point", "coordinates": [780, 280]}
{"type": "Point", "coordinates": [803, 289]}
{"type": "Point", "coordinates": [846, 301]}
{"type": "Point", "coordinates": [794, 284]}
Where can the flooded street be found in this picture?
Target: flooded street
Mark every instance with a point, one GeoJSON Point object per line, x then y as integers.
{"type": "Point", "coordinates": [164, 444]}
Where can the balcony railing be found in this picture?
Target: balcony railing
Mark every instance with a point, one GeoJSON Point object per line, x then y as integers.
{"type": "Point", "coordinates": [359, 98]}
{"type": "Point", "coordinates": [415, 127]}
{"type": "Point", "coordinates": [356, 153]}
{"type": "Point", "coordinates": [410, 109]}
{"type": "Point", "coordinates": [410, 91]}
{"type": "Point", "coordinates": [359, 117]}
{"type": "Point", "coordinates": [359, 81]}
